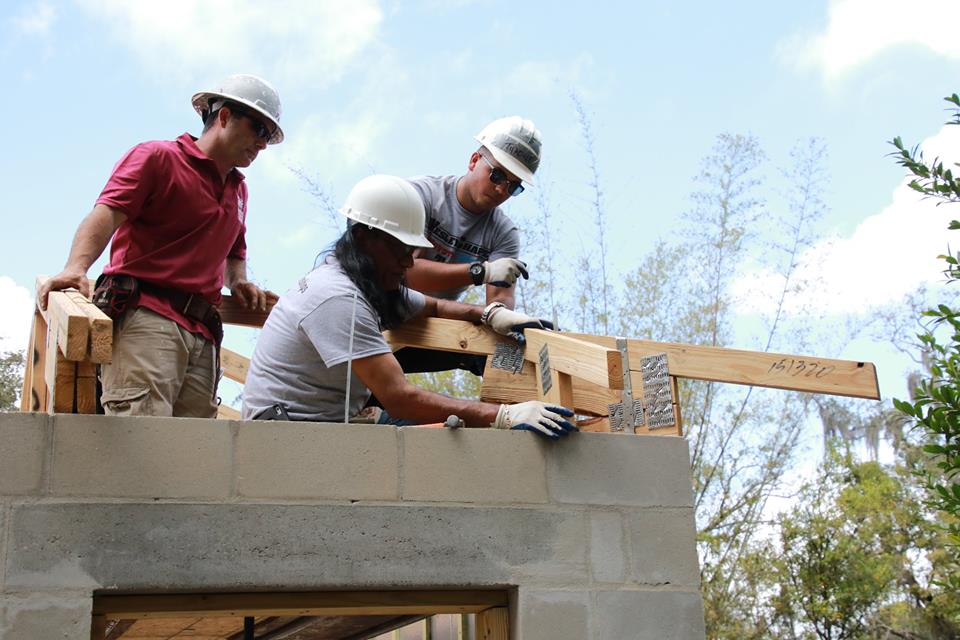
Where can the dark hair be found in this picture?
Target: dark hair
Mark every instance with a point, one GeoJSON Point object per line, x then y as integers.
{"type": "Point", "coordinates": [392, 307]}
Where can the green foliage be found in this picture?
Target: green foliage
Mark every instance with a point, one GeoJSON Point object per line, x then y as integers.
{"type": "Point", "coordinates": [854, 559]}
{"type": "Point", "coordinates": [931, 179]}
{"type": "Point", "coordinates": [11, 380]}
{"type": "Point", "coordinates": [935, 406]}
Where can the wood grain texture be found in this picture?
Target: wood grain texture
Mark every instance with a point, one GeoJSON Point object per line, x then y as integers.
{"type": "Point", "coordinates": [773, 370]}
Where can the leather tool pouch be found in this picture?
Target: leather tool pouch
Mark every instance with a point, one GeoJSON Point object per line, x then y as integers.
{"type": "Point", "coordinates": [115, 294]}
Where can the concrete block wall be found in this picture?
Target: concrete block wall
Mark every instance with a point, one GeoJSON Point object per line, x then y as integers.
{"type": "Point", "coordinates": [594, 534]}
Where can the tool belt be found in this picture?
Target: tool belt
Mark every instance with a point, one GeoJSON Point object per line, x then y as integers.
{"type": "Point", "coordinates": [115, 294]}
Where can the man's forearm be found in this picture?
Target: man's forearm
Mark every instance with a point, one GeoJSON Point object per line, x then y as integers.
{"type": "Point", "coordinates": [234, 271]}
{"type": "Point", "coordinates": [428, 276]}
{"type": "Point", "coordinates": [92, 237]}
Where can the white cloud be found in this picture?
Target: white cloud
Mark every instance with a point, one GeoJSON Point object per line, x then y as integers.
{"type": "Point", "coordinates": [36, 20]}
{"type": "Point", "coordinates": [858, 30]}
{"type": "Point", "coordinates": [287, 41]}
{"type": "Point", "coordinates": [16, 317]}
{"type": "Point", "coordinates": [888, 255]}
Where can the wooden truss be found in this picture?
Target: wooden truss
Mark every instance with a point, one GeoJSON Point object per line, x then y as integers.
{"type": "Point", "coordinates": [623, 385]}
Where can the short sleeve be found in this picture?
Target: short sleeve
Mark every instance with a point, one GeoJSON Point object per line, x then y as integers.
{"type": "Point", "coordinates": [132, 182]}
{"type": "Point", "coordinates": [328, 328]}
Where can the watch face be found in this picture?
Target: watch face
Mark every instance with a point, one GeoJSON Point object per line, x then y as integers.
{"type": "Point", "coordinates": [476, 269]}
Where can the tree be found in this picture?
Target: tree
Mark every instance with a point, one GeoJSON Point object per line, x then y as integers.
{"type": "Point", "coordinates": [11, 380]}
{"type": "Point", "coordinates": [935, 405]}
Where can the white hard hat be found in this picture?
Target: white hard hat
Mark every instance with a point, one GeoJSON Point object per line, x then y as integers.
{"type": "Point", "coordinates": [390, 204]}
{"type": "Point", "coordinates": [251, 91]}
{"type": "Point", "coordinates": [515, 144]}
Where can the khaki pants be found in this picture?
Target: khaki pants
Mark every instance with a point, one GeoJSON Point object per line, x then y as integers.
{"type": "Point", "coordinates": [159, 369]}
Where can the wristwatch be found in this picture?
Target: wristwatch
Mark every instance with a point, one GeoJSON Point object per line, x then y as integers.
{"type": "Point", "coordinates": [476, 272]}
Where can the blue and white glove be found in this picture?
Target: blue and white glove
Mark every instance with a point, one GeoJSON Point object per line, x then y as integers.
{"type": "Point", "coordinates": [511, 323]}
{"type": "Point", "coordinates": [503, 272]}
{"type": "Point", "coordinates": [535, 416]}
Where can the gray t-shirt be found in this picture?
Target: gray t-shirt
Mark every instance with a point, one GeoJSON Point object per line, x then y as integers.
{"type": "Point", "coordinates": [459, 235]}
{"type": "Point", "coordinates": [300, 360]}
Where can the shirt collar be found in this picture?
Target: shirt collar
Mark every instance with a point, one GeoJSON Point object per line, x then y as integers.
{"type": "Point", "coordinates": [188, 144]}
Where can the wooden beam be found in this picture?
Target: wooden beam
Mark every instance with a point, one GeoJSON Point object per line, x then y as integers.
{"type": "Point", "coordinates": [578, 358]}
{"type": "Point", "coordinates": [235, 366]}
{"type": "Point", "coordinates": [232, 312]}
{"type": "Point", "coordinates": [98, 341]}
{"type": "Point", "coordinates": [320, 603]}
{"type": "Point", "coordinates": [86, 387]}
{"type": "Point", "coordinates": [226, 412]}
{"type": "Point", "coordinates": [38, 359]}
{"type": "Point", "coordinates": [508, 388]}
{"type": "Point", "coordinates": [773, 370]}
{"type": "Point", "coordinates": [445, 335]}
{"type": "Point", "coordinates": [28, 358]}
{"type": "Point", "coordinates": [59, 375]}
{"type": "Point", "coordinates": [100, 328]}
{"type": "Point", "coordinates": [493, 624]}
{"type": "Point", "coordinates": [73, 326]}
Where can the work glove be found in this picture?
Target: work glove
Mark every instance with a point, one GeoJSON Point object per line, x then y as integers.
{"type": "Point", "coordinates": [535, 416]}
{"type": "Point", "coordinates": [511, 323]}
{"type": "Point", "coordinates": [503, 272]}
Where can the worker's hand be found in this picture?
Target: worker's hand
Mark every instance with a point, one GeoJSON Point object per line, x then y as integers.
{"type": "Point", "coordinates": [69, 278]}
{"type": "Point", "coordinates": [511, 323]}
{"type": "Point", "coordinates": [535, 416]}
{"type": "Point", "coordinates": [503, 272]}
{"type": "Point", "coordinates": [253, 297]}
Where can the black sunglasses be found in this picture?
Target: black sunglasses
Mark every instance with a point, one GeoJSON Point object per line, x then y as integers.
{"type": "Point", "coordinates": [498, 176]}
{"type": "Point", "coordinates": [260, 128]}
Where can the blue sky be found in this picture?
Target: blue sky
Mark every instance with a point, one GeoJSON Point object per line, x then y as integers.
{"type": "Point", "coordinates": [401, 88]}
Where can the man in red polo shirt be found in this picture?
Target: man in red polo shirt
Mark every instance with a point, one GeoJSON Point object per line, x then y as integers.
{"type": "Point", "coordinates": [176, 211]}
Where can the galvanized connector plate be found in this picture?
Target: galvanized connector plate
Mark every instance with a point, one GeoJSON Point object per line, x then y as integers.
{"type": "Point", "coordinates": [546, 381]}
{"type": "Point", "coordinates": [657, 391]}
{"type": "Point", "coordinates": [508, 357]}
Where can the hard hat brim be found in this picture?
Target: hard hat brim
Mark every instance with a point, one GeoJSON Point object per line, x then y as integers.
{"type": "Point", "coordinates": [510, 164]}
{"type": "Point", "coordinates": [407, 238]}
{"type": "Point", "coordinates": [201, 102]}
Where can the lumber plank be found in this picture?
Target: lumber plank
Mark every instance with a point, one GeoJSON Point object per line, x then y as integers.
{"type": "Point", "coordinates": [73, 326]}
{"type": "Point", "coordinates": [38, 359]}
{"type": "Point", "coordinates": [59, 374]}
{"type": "Point", "coordinates": [28, 359]}
{"type": "Point", "coordinates": [232, 312]}
{"type": "Point", "coordinates": [493, 624]}
{"type": "Point", "coordinates": [756, 368]}
{"type": "Point", "coordinates": [86, 387]}
{"type": "Point", "coordinates": [100, 328]}
{"type": "Point", "coordinates": [508, 388]}
{"type": "Point", "coordinates": [234, 365]}
{"type": "Point", "coordinates": [133, 607]}
{"type": "Point", "coordinates": [442, 334]}
{"type": "Point", "coordinates": [226, 412]}
{"type": "Point", "coordinates": [578, 358]}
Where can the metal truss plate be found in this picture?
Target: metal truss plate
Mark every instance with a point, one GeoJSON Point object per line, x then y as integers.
{"type": "Point", "coordinates": [508, 357]}
{"type": "Point", "coordinates": [617, 423]}
{"type": "Point", "coordinates": [546, 381]}
{"type": "Point", "coordinates": [657, 391]}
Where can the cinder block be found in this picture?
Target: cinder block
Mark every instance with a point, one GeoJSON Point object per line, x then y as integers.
{"type": "Point", "coordinates": [608, 558]}
{"type": "Point", "coordinates": [235, 546]}
{"type": "Point", "coordinates": [322, 461]}
{"type": "Point", "coordinates": [24, 438]}
{"type": "Point", "coordinates": [30, 616]}
{"type": "Point", "coordinates": [473, 465]}
{"type": "Point", "coordinates": [141, 457]}
{"type": "Point", "coordinates": [663, 547]}
{"type": "Point", "coordinates": [677, 615]}
{"type": "Point", "coordinates": [614, 469]}
{"type": "Point", "coordinates": [549, 615]}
